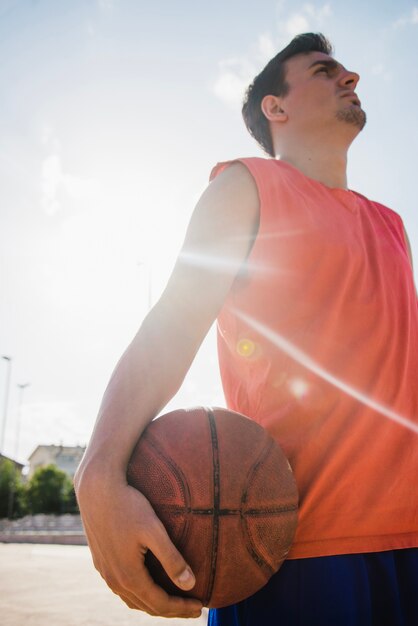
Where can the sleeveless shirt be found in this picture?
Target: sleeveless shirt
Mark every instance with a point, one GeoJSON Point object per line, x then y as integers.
{"type": "Point", "coordinates": [318, 342]}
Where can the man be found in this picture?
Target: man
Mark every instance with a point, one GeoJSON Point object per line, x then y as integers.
{"type": "Point", "coordinates": [318, 341]}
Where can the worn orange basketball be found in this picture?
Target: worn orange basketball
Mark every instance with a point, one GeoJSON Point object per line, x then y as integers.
{"type": "Point", "coordinates": [226, 494]}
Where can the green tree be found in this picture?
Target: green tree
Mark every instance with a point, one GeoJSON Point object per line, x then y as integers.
{"type": "Point", "coordinates": [48, 490]}
{"type": "Point", "coordinates": [12, 490]}
{"type": "Point", "coordinates": [70, 501]}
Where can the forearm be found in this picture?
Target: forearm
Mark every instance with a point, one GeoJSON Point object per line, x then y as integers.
{"type": "Point", "coordinates": [146, 377]}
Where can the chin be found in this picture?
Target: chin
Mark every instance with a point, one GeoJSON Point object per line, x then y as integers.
{"type": "Point", "coordinates": [353, 115]}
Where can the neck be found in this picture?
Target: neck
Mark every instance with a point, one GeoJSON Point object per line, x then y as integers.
{"type": "Point", "coordinates": [327, 166]}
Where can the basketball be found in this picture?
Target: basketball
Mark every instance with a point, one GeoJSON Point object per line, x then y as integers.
{"type": "Point", "coordinates": [225, 492]}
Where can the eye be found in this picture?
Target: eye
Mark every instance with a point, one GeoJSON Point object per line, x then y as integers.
{"type": "Point", "coordinates": [324, 68]}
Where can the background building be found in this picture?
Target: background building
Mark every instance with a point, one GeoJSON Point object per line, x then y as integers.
{"type": "Point", "coordinates": [18, 466]}
{"type": "Point", "coordinates": [66, 458]}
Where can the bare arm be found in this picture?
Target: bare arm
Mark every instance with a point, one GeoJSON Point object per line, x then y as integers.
{"type": "Point", "coordinates": [119, 522]}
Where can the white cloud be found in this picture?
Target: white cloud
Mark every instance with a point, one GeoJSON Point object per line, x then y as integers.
{"type": "Point", "coordinates": [407, 20]}
{"type": "Point", "coordinates": [236, 74]}
{"type": "Point", "coordinates": [267, 46]}
{"type": "Point", "coordinates": [319, 13]}
{"type": "Point", "coordinates": [297, 23]}
{"type": "Point", "coordinates": [57, 184]}
{"type": "Point", "coordinates": [234, 77]}
{"type": "Point", "coordinates": [309, 18]}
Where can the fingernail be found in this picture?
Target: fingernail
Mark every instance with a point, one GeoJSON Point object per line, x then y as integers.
{"type": "Point", "coordinates": [186, 577]}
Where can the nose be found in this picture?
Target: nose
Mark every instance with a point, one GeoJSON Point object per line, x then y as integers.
{"type": "Point", "coordinates": [349, 79]}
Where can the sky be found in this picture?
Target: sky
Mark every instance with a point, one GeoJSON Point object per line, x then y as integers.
{"type": "Point", "coordinates": [112, 114]}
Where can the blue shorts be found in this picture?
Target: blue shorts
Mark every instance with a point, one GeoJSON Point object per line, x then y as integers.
{"type": "Point", "coordinates": [375, 589]}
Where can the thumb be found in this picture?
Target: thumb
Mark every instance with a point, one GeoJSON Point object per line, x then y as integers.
{"type": "Point", "coordinates": [170, 558]}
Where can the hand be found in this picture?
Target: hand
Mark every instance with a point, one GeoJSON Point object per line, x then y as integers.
{"type": "Point", "coordinates": [121, 526]}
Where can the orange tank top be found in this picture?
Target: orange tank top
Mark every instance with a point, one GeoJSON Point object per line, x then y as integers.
{"type": "Point", "coordinates": [318, 342]}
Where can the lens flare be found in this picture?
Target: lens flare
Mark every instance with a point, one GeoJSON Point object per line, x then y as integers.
{"type": "Point", "coordinates": [304, 359]}
{"type": "Point", "coordinates": [245, 347]}
{"type": "Point", "coordinates": [226, 264]}
{"type": "Point", "coordinates": [298, 388]}
{"type": "Point", "coordinates": [283, 234]}
{"type": "Point", "coordinates": [229, 264]}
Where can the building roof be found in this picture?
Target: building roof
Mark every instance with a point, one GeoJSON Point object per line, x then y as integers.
{"type": "Point", "coordinates": [58, 450]}
{"type": "Point", "coordinates": [7, 458]}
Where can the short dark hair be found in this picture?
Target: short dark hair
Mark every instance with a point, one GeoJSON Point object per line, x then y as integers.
{"type": "Point", "coordinates": [272, 81]}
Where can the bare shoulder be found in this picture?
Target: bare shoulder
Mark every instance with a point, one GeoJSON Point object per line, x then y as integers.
{"type": "Point", "coordinates": [236, 187]}
{"type": "Point", "coordinates": [218, 240]}
{"type": "Point", "coordinates": [228, 209]}
{"type": "Point", "coordinates": [236, 173]}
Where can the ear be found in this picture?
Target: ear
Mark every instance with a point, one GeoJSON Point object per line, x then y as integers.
{"type": "Point", "coordinates": [272, 109]}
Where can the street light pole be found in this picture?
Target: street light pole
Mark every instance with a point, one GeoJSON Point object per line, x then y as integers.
{"type": "Point", "coordinates": [22, 388]}
{"type": "Point", "coordinates": [6, 400]}
{"type": "Point", "coordinates": [12, 488]}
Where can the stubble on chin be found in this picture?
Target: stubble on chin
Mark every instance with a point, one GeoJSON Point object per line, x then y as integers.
{"type": "Point", "coordinates": [353, 115]}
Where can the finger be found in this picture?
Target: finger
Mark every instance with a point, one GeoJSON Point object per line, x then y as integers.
{"type": "Point", "coordinates": [129, 603]}
{"type": "Point", "coordinates": [135, 605]}
{"type": "Point", "coordinates": [133, 602]}
{"type": "Point", "coordinates": [160, 603]}
{"type": "Point", "coordinates": [148, 596]}
{"type": "Point", "coordinates": [170, 558]}
{"type": "Point", "coordinates": [173, 606]}
{"type": "Point", "coordinates": [123, 587]}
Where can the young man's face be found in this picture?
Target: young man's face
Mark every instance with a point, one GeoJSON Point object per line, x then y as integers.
{"type": "Point", "coordinates": [321, 92]}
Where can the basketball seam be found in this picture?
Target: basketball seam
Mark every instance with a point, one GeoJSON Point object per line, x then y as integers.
{"type": "Point", "coordinates": [181, 482]}
{"type": "Point", "coordinates": [216, 503]}
{"type": "Point", "coordinates": [258, 558]}
{"type": "Point", "coordinates": [181, 510]}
